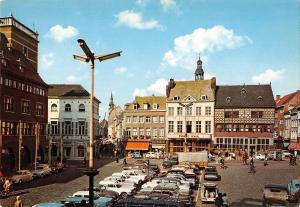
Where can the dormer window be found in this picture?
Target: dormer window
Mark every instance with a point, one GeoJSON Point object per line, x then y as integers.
{"type": "Point", "coordinates": [145, 106]}
{"type": "Point", "coordinates": [259, 98]}
{"type": "Point", "coordinates": [155, 106]}
{"type": "Point", "coordinates": [204, 97]}
{"type": "Point", "coordinates": [243, 91]}
{"type": "Point", "coordinates": [228, 99]}
{"type": "Point", "coordinates": [135, 106]}
{"type": "Point", "coordinates": [176, 98]}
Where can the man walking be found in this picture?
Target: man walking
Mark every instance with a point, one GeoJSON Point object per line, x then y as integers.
{"type": "Point", "coordinates": [18, 202]}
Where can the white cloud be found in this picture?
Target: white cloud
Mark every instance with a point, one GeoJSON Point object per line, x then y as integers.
{"type": "Point", "coordinates": [139, 92]}
{"type": "Point", "coordinates": [120, 70]}
{"type": "Point", "coordinates": [168, 4]}
{"type": "Point", "coordinates": [141, 2]}
{"type": "Point", "coordinates": [135, 20]}
{"type": "Point", "coordinates": [268, 76]}
{"type": "Point", "coordinates": [202, 41]}
{"type": "Point", "coordinates": [47, 60]}
{"type": "Point", "coordinates": [157, 88]}
{"type": "Point", "coordinates": [76, 79]}
{"type": "Point", "coordinates": [60, 34]}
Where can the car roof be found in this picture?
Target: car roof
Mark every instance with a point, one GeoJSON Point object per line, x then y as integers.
{"type": "Point", "coordinates": [48, 205]}
{"type": "Point", "coordinates": [210, 184]}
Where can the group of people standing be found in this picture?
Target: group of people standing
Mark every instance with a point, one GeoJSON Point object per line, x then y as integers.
{"type": "Point", "coordinates": [221, 200]}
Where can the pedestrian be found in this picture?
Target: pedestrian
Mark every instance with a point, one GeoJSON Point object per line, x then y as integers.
{"type": "Point", "coordinates": [219, 201]}
{"type": "Point", "coordinates": [124, 161]}
{"type": "Point", "coordinates": [84, 161]}
{"type": "Point", "coordinates": [18, 202]}
{"type": "Point", "coordinates": [224, 200]}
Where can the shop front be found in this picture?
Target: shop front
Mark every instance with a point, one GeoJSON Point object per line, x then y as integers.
{"type": "Point", "coordinates": [139, 146]}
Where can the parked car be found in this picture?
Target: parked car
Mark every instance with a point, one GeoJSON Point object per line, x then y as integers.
{"type": "Point", "coordinates": [152, 155]}
{"type": "Point", "coordinates": [49, 205]}
{"type": "Point", "coordinates": [136, 155]}
{"type": "Point", "coordinates": [209, 192]}
{"type": "Point", "coordinates": [22, 176]}
{"type": "Point", "coordinates": [212, 176]}
{"type": "Point", "coordinates": [58, 167]}
{"type": "Point", "coordinates": [135, 202]}
{"type": "Point", "coordinates": [42, 170]}
{"type": "Point", "coordinates": [275, 194]}
{"type": "Point", "coordinates": [123, 190]}
{"type": "Point", "coordinates": [286, 153]}
{"type": "Point", "coordinates": [275, 155]}
{"type": "Point", "coordinates": [167, 163]}
{"type": "Point", "coordinates": [260, 156]}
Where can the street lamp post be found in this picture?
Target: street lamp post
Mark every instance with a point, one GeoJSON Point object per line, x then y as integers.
{"type": "Point", "coordinates": [91, 57]}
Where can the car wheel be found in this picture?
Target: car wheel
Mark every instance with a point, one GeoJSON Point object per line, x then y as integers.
{"type": "Point", "coordinates": [123, 195]}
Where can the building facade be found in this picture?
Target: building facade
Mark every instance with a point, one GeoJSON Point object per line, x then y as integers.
{"type": "Point", "coordinates": [244, 118]}
{"type": "Point", "coordinates": [292, 124]}
{"type": "Point", "coordinates": [144, 124]}
{"type": "Point", "coordinates": [68, 121]}
{"type": "Point", "coordinates": [23, 95]}
{"type": "Point", "coordinates": [190, 113]}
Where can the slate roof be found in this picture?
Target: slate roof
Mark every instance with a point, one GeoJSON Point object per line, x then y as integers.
{"type": "Point", "coordinates": [68, 90]}
{"type": "Point", "coordinates": [141, 100]}
{"type": "Point", "coordinates": [244, 96]}
{"type": "Point", "coordinates": [195, 89]}
{"type": "Point", "coordinates": [12, 56]}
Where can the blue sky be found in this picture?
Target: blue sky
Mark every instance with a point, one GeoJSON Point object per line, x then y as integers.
{"type": "Point", "coordinates": [240, 42]}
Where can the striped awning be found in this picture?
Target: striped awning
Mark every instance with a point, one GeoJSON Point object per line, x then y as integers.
{"type": "Point", "coordinates": [137, 146]}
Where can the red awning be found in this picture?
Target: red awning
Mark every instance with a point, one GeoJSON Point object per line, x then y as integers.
{"type": "Point", "coordinates": [294, 146]}
{"type": "Point", "coordinates": [137, 146]}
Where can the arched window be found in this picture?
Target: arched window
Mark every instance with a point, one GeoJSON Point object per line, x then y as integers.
{"type": "Point", "coordinates": [67, 107]}
{"type": "Point", "coordinates": [53, 107]}
{"type": "Point", "coordinates": [80, 151]}
{"type": "Point", "coordinates": [81, 107]}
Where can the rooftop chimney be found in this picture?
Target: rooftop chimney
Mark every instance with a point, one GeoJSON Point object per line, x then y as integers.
{"type": "Point", "coordinates": [277, 98]}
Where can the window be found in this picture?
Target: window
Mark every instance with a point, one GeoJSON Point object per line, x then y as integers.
{"type": "Point", "coordinates": [39, 109]}
{"type": "Point", "coordinates": [26, 107]}
{"type": "Point", "coordinates": [68, 128]}
{"type": "Point", "coordinates": [141, 119]}
{"type": "Point", "coordinates": [148, 132]}
{"type": "Point", "coordinates": [53, 107]}
{"type": "Point", "coordinates": [80, 151]}
{"type": "Point", "coordinates": [146, 106]}
{"type": "Point", "coordinates": [198, 111]}
{"type": "Point", "coordinates": [135, 106]}
{"type": "Point", "coordinates": [81, 108]}
{"type": "Point", "coordinates": [207, 110]}
{"type": "Point", "coordinates": [198, 126]}
{"type": "Point", "coordinates": [141, 132]}
{"type": "Point", "coordinates": [128, 119]}
{"type": "Point", "coordinates": [68, 107]}
{"type": "Point", "coordinates": [161, 119]}
{"type": "Point", "coordinates": [81, 128]}
{"type": "Point", "coordinates": [256, 114]}
{"type": "Point", "coordinates": [171, 126]}
{"type": "Point", "coordinates": [155, 119]}
{"type": "Point", "coordinates": [189, 127]}
{"type": "Point", "coordinates": [134, 119]}
{"type": "Point", "coordinates": [134, 132]}
{"type": "Point", "coordinates": [171, 111]}
{"type": "Point", "coordinates": [207, 126]}
{"type": "Point", "coordinates": [148, 120]}
{"type": "Point", "coordinates": [128, 132]}
{"type": "Point", "coordinates": [8, 103]}
{"type": "Point", "coordinates": [54, 128]}
{"type": "Point", "coordinates": [189, 111]}
{"type": "Point", "coordinates": [179, 111]}
{"type": "Point", "coordinates": [161, 132]}
{"type": "Point", "coordinates": [25, 51]}
{"type": "Point", "coordinates": [155, 132]}
{"type": "Point", "coordinates": [204, 97]}
{"type": "Point", "coordinates": [179, 126]}
{"type": "Point", "coordinates": [176, 98]}
{"type": "Point", "coordinates": [231, 114]}
{"type": "Point", "coordinates": [155, 106]}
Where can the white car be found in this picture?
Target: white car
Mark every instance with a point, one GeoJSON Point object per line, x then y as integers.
{"type": "Point", "coordinates": [123, 190]}
{"type": "Point", "coordinates": [106, 182]}
{"type": "Point", "coordinates": [135, 174]}
{"type": "Point", "coordinates": [152, 155]}
{"type": "Point", "coordinates": [125, 178]}
{"type": "Point", "coordinates": [260, 157]}
{"type": "Point", "coordinates": [42, 170]}
{"type": "Point", "coordinates": [285, 153]}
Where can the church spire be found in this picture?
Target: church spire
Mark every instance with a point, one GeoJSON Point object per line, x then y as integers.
{"type": "Point", "coordinates": [199, 73]}
{"type": "Point", "coordinates": [111, 103]}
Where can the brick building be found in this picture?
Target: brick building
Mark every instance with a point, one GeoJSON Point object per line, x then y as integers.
{"type": "Point", "coordinates": [244, 117]}
{"type": "Point", "coordinates": [144, 124]}
{"type": "Point", "coordinates": [23, 96]}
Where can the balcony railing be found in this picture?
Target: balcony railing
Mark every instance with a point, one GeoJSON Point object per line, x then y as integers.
{"type": "Point", "coordinates": [10, 21]}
